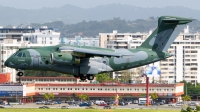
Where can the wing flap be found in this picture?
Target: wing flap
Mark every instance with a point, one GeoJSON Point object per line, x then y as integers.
{"type": "Point", "coordinates": [97, 53]}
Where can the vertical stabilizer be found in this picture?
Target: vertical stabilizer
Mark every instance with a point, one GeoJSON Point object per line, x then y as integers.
{"type": "Point", "coordinates": [164, 35]}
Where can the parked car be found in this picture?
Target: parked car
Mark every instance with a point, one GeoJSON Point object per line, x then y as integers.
{"type": "Point", "coordinates": [161, 103]}
{"type": "Point", "coordinates": [89, 107]}
{"type": "Point", "coordinates": [179, 104]}
{"type": "Point", "coordinates": [142, 103]}
{"type": "Point", "coordinates": [102, 104]}
{"type": "Point", "coordinates": [84, 104]}
{"type": "Point", "coordinates": [172, 104]}
{"type": "Point", "coordinates": [107, 107]}
{"type": "Point", "coordinates": [40, 102]}
{"type": "Point", "coordinates": [44, 107]}
{"type": "Point", "coordinates": [2, 107]}
{"type": "Point", "coordinates": [193, 104]}
{"type": "Point", "coordinates": [64, 107]}
{"type": "Point", "coordinates": [121, 103]}
{"type": "Point", "coordinates": [97, 102]}
{"type": "Point", "coordinates": [156, 104]}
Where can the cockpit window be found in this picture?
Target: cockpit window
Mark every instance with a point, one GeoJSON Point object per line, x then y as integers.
{"type": "Point", "coordinates": [14, 54]}
{"type": "Point", "coordinates": [19, 54]}
{"type": "Point", "coordinates": [24, 55]}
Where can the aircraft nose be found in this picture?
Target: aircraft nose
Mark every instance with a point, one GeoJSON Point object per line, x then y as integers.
{"type": "Point", "coordinates": [6, 62]}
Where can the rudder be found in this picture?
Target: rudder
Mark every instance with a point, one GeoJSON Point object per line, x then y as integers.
{"type": "Point", "coordinates": [164, 35]}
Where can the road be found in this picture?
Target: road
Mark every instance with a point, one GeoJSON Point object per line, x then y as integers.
{"type": "Point", "coordinates": [130, 106]}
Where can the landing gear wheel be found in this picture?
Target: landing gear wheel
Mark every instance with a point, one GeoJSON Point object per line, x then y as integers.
{"type": "Point", "coordinates": [90, 77]}
{"type": "Point", "coordinates": [82, 77]}
{"type": "Point", "coordinates": [20, 74]}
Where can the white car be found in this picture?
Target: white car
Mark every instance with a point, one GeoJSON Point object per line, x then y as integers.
{"type": "Point", "coordinates": [179, 104]}
{"type": "Point", "coordinates": [172, 104]}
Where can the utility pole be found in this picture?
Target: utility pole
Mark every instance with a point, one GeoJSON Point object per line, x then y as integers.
{"type": "Point", "coordinates": [186, 88]}
{"type": "Point", "coordinates": [147, 90]}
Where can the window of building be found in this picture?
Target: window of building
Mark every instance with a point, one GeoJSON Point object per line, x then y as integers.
{"type": "Point", "coordinates": [193, 51]}
{"type": "Point", "coordinates": [50, 38]}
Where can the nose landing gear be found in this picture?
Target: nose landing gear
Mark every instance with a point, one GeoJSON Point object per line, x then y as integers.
{"type": "Point", "coordinates": [20, 74]}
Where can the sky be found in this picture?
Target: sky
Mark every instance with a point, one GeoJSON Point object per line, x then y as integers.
{"type": "Point", "coordinates": [38, 4]}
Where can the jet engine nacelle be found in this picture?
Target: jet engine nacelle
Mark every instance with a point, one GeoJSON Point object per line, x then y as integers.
{"type": "Point", "coordinates": [63, 58]}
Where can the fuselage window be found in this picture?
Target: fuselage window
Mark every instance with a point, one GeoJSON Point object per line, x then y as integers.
{"type": "Point", "coordinates": [19, 55]}
{"type": "Point", "coordinates": [24, 55]}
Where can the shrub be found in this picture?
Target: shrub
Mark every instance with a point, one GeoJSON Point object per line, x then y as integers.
{"type": "Point", "coordinates": [189, 109]}
{"type": "Point", "coordinates": [197, 108]}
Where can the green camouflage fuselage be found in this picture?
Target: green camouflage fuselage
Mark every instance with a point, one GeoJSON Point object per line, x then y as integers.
{"type": "Point", "coordinates": [77, 60]}
{"type": "Point", "coordinates": [40, 59]}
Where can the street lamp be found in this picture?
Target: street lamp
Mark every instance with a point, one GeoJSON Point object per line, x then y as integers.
{"type": "Point", "coordinates": [16, 95]}
{"type": "Point", "coordinates": [59, 102]}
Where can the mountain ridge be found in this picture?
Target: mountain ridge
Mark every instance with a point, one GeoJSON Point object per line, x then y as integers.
{"type": "Point", "coordinates": [70, 14]}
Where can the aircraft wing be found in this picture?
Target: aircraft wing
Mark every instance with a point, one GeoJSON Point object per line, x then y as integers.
{"type": "Point", "coordinates": [97, 53]}
{"type": "Point", "coordinates": [81, 52]}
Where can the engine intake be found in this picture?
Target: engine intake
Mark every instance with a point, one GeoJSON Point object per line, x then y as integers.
{"type": "Point", "coordinates": [63, 58]}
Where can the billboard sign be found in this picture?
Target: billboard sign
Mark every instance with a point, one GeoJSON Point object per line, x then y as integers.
{"type": "Point", "coordinates": [11, 90]}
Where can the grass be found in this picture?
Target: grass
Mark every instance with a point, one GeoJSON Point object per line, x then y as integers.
{"type": "Point", "coordinates": [83, 110]}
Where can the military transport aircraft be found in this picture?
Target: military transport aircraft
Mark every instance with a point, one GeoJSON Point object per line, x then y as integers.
{"type": "Point", "coordinates": [85, 61]}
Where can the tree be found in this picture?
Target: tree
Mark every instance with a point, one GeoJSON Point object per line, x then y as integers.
{"type": "Point", "coordinates": [51, 96]}
{"type": "Point", "coordinates": [46, 96]}
{"type": "Point", "coordinates": [186, 98]}
{"type": "Point", "coordinates": [73, 95]}
{"type": "Point", "coordinates": [126, 76]}
{"type": "Point", "coordinates": [30, 98]}
{"type": "Point", "coordinates": [84, 97]}
{"type": "Point", "coordinates": [103, 77]}
{"type": "Point", "coordinates": [154, 96]}
{"type": "Point", "coordinates": [68, 98]}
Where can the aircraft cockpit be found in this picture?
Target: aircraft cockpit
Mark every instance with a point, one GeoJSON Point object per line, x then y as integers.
{"type": "Point", "coordinates": [19, 54]}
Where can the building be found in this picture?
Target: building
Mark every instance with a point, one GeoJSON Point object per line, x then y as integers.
{"type": "Point", "coordinates": [83, 41]}
{"type": "Point", "coordinates": [117, 40]}
{"type": "Point", "coordinates": [182, 66]}
{"type": "Point", "coordinates": [58, 80]}
{"type": "Point", "coordinates": [43, 35]}
{"type": "Point", "coordinates": [13, 32]}
{"type": "Point", "coordinates": [103, 91]}
{"type": "Point", "coordinates": [13, 38]}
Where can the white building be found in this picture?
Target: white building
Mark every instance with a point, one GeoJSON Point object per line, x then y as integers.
{"type": "Point", "coordinates": [43, 35]}
{"type": "Point", "coordinates": [182, 66]}
{"type": "Point", "coordinates": [83, 41]}
{"type": "Point", "coordinates": [12, 38]}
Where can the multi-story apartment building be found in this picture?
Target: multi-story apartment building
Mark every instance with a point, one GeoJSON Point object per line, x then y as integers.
{"type": "Point", "coordinates": [14, 38]}
{"type": "Point", "coordinates": [14, 32]}
{"type": "Point", "coordinates": [83, 41]}
{"type": "Point", "coordinates": [182, 66]}
{"type": "Point", "coordinates": [43, 35]}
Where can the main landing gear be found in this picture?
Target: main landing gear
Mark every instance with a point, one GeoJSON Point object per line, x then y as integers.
{"type": "Point", "coordinates": [86, 76]}
{"type": "Point", "coordinates": [20, 73]}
